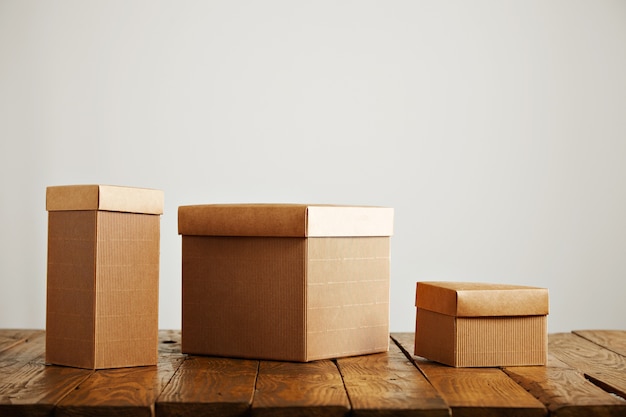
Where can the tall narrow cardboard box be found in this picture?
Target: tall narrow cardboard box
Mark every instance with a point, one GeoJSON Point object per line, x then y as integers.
{"type": "Point", "coordinates": [103, 276]}
{"type": "Point", "coordinates": [285, 281]}
{"type": "Point", "coordinates": [469, 324]}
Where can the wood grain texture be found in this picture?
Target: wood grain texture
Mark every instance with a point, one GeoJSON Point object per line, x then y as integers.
{"type": "Point", "coordinates": [36, 388]}
{"type": "Point", "coordinates": [299, 389]}
{"type": "Point", "coordinates": [580, 371]}
{"type": "Point", "coordinates": [388, 384]}
{"type": "Point", "coordinates": [169, 342]}
{"type": "Point", "coordinates": [614, 340]}
{"type": "Point", "coordinates": [24, 350]}
{"type": "Point", "coordinates": [27, 386]}
{"type": "Point", "coordinates": [603, 367]}
{"type": "Point", "coordinates": [480, 391]}
{"type": "Point", "coordinates": [125, 391]}
{"type": "Point", "coordinates": [12, 337]}
{"type": "Point", "coordinates": [475, 391]}
{"type": "Point", "coordinates": [119, 392]}
{"type": "Point", "coordinates": [205, 386]}
{"type": "Point", "coordinates": [565, 392]}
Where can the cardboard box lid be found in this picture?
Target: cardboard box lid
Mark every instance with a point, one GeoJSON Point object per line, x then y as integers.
{"type": "Point", "coordinates": [284, 220]}
{"type": "Point", "coordinates": [473, 299]}
{"type": "Point", "coordinates": [105, 198]}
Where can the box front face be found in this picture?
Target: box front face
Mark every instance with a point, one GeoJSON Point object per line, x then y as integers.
{"type": "Point", "coordinates": [501, 341]}
{"type": "Point", "coordinates": [481, 341]}
{"type": "Point", "coordinates": [347, 296]}
{"type": "Point", "coordinates": [244, 297]}
{"type": "Point", "coordinates": [127, 283]}
{"type": "Point", "coordinates": [70, 314]}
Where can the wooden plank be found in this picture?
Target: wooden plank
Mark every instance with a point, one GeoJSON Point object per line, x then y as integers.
{"type": "Point", "coordinates": [169, 342]}
{"type": "Point", "coordinates": [24, 350]}
{"type": "Point", "coordinates": [12, 337]}
{"type": "Point", "coordinates": [614, 340]}
{"type": "Point", "coordinates": [125, 391]}
{"type": "Point", "coordinates": [565, 391]}
{"type": "Point", "coordinates": [388, 384]}
{"type": "Point", "coordinates": [603, 367]}
{"type": "Point", "coordinates": [35, 389]}
{"type": "Point", "coordinates": [27, 386]}
{"type": "Point", "coordinates": [299, 389]}
{"type": "Point", "coordinates": [205, 386]}
{"type": "Point", "coordinates": [480, 391]}
{"type": "Point", "coordinates": [475, 391]}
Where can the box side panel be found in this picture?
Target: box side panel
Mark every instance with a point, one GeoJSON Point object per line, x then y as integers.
{"type": "Point", "coordinates": [70, 288]}
{"type": "Point", "coordinates": [127, 283]}
{"type": "Point", "coordinates": [347, 296]}
{"type": "Point", "coordinates": [501, 341]}
{"type": "Point", "coordinates": [244, 297]}
{"type": "Point", "coordinates": [435, 336]}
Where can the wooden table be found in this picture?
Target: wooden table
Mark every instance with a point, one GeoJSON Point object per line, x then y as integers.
{"type": "Point", "coordinates": [585, 376]}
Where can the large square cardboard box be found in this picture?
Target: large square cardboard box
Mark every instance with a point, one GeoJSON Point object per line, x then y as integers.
{"type": "Point", "coordinates": [103, 276]}
{"type": "Point", "coordinates": [285, 281]}
{"type": "Point", "coordinates": [467, 324]}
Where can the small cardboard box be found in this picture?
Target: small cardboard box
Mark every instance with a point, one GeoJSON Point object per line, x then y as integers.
{"type": "Point", "coordinates": [466, 324]}
{"type": "Point", "coordinates": [285, 281]}
{"type": "Point", "coordinates": [103, 276]}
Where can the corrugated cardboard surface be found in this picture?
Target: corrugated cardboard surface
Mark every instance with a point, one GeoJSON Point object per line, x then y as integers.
{"type": "Point", "coordinates": [504, 341]}
{"type": "Point", "coordinates": [481, 341]}
{"type": "Point", "coordinates": [127, 289]}
{"type": "Point", "coordinates": [284, 220]}
{"type": "Point", "coordinates": [70, 318]}
{"type": "Point", "coordinates": [294, 299]}
{"type": "Point", "coordinates": [347, 296]}
{"type": "Point", "coordinates": [244, 297]}
{"type": "Point", "coordinates": [477, 324]}
{"type": "Point", "coordinates": [103, 272]}
{"type": "Point", "coordinates": [104, 197]}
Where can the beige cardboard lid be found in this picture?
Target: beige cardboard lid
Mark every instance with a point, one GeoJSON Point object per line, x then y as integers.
{"type": "Point", "coordinates": [284, 220]}
{"type": "Point", "coordinates": [475, 299]}
{"type": "Point", "coordinates": [105, 198]}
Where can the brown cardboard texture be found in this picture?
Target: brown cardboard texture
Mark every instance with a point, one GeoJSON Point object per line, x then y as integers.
{"type": "Point", "coordinates": [467, 324]}
{"type": "Point", "coordinates": [257, 284]}
{"type": "Point", "coordinates": [103, 276]}
{"type": "Point", "coordinates": [104, 197]}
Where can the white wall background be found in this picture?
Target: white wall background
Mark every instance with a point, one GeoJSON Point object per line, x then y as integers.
{"type": "Point", "coordinates": [496, 129]}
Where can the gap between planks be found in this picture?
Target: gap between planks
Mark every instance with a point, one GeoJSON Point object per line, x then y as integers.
{"type": "Point", "coordinates": [474, 391]}
{"type": "Point", "coordinates": [600, 365]}
{"type": "Point", "coordinates": [389, 384]}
